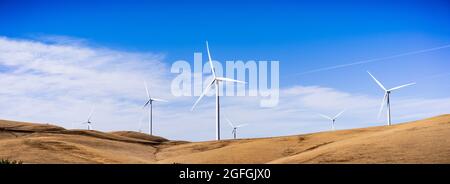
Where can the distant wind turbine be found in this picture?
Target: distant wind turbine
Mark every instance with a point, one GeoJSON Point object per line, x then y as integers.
{"type": "Point", "coordinates": [88, 122]}
{"type": "Point", "coordinates": [149, 103]}
{"type": "Point", "coordinates": [333, 119]}
{"type": "Point", "coordinates": [234, 132]}
{"type": "Point", "coordinates": [387, 93]}
{"type": "Point", "coordinates": [216, 80]}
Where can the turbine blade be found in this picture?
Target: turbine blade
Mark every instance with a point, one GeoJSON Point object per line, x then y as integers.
{"type": "Point", "coordinates": [203, 94]}
{"type": "Point", "coordinates": [210, 60]}
{"type": "Point", "coordinates": [382, 105]}
{"type": "Point", "coordinates": [398, 87]}
{"type": "Point", "coordinates": [230, 123]}
{"type": "Point", "coordinates": [146, 89]}
{"type": "Point", "coordinates": [230, 80]}
{"type": "Point", "coordinates": [378, 82]}
{"type": "Point", "coordinates": [159, 100]}
{"type": "Point", "coordinates": [148, 101]}
{"type": "Point", "coordinates": [242, 125]}
{"type": "Point", "coordinates": [90, 114]}
{"type": "Point", "coordinates": [339, 114]}
{"type": "Point", "coordinates": [325, 116]}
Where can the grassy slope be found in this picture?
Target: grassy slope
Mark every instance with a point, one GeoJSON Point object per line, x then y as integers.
{"type": "Point", "coordinates": [424, 141]}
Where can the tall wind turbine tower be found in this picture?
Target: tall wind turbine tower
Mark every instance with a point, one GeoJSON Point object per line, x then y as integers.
{"type": "Point", "coordinates": [216, 80]}
{"type": "Point", "coordinates": [386, 98]}
{"type": "Point", "coordinates": [149, 103]}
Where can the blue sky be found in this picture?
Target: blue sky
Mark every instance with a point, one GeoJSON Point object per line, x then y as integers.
{"type": "Point", "coordinates": [303, 36]}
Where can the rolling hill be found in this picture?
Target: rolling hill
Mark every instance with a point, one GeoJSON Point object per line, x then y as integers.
{"type": "Point", "coordinates": [423, 141]}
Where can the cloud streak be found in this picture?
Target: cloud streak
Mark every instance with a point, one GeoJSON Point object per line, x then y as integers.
{"type": "Point", "coordinates": [375, 59]}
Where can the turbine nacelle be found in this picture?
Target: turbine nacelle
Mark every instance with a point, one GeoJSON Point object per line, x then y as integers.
{"type": "Point", "coordinates": [151, 100]}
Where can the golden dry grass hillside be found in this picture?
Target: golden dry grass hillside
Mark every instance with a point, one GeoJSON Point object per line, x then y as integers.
{"type": "Point", "coordinates": [423, 141]}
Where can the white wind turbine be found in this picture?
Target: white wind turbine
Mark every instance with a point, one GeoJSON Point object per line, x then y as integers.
{"type": "Point", "coordinates": [150, 101]}
{"type": "Point", "coordinates": [333, 119]}
{"type": "Point", "coordinates": [88, 122]}
{"type": "Point", "coordinates": [234, 132]}
{"type": "Point", "coordinates": [216, 80]}
{"type": "Point", "coordinates": [387, 93]}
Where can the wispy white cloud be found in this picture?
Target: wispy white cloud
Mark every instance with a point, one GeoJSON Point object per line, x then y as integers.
{"type": "Point", "coordinates": [58, 82]}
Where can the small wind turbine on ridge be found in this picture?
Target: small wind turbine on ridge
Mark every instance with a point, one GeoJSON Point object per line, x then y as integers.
{"type": "Point", "coordinates": [234, 132]}
{"type": "Point", "coordinates": [332, 119]}
{"type": "Point", "coordinates": [88, 122]}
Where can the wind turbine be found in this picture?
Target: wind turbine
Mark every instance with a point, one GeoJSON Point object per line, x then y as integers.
{"type": "Point", "coordinates": [149, 103]}
{"type": "Point", "coordinates": [88, 122]}
{"type": "Point", "coordinates": [387, 93]}
{"type": "Point", "coordinates": [216, 80]}
{"type": "Point", "coordinates": [333, 119]}
{"type": "Point", "coordinates": [235, 127]}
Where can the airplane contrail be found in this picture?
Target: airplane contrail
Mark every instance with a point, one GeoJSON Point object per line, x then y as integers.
{"type": "Point", "coordinates": [374, 60]}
